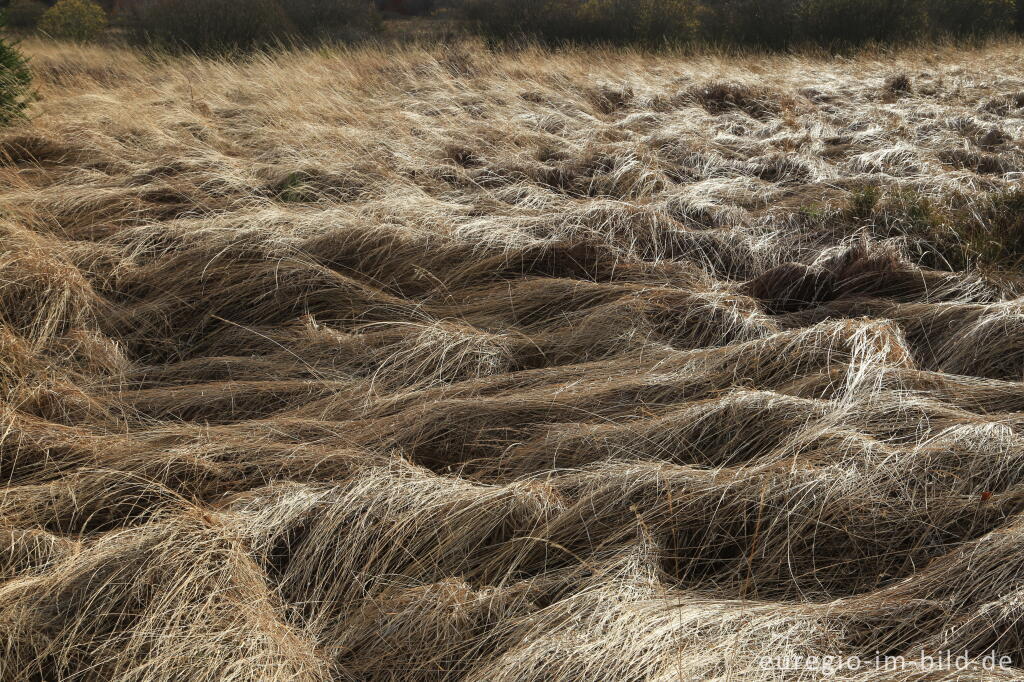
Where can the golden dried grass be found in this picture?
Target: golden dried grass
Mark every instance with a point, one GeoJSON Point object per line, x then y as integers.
{"type": "Point", "coordinates": [448, 364]}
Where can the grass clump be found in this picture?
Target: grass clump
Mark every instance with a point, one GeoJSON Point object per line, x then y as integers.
{"type": "Point", "coordinates": [985, 231]}
{"type": "Point", "coordinates": [995, 237]}
{"type": "Point", "coordinates": [910, 215]}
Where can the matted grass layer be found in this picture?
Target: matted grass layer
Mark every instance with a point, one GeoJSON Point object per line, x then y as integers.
{"type": "Point", "coordinates": [448, 364]}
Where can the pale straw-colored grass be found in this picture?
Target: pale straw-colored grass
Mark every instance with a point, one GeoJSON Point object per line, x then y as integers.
{"type": "Point", "coordinates": [449, 364]}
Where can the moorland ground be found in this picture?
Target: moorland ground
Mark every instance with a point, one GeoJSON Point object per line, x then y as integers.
{"type": "Point", "coordinates": [447, 364]}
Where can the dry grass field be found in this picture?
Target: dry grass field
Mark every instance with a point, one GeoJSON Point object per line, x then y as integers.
{"type": "Point", "coordinates": [440, 364]}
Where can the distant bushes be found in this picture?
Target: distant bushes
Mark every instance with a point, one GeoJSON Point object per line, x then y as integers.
{"type": "Point", "coordinates": [643, 21]}
{"type": "Point", "coordinates": [760, 23]}
{"type": "Point", "coordinates": [14, 82]}
{"type": "Point", "coordinates": [25, 14]}
{"type": "Point", "coordinates": [548, 20]}
{"type": "Point", "coordinates": [972, 17]}
{"type": "Point", "coordinates": [410, 7]}
{"type": "Point", "coordinates": [217, 25]}
{"type": "Point", "coordinates": [854, 22]}
{"type": "Point", "coordinates": [613, 21]}
{"type": "Point", "coordinates": [750, 22]}
{"type": "Point", "coordinates": [205, 25]}
{"type": "Point", "coordinates": [329, 18]}
{"type": "Point", "coordinates": [80, 20]}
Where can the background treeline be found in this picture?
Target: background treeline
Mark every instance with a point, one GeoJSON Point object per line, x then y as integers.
{"type": "Point", "coordinates": [760, 23]}
{"type": "Point", "coordinates": [215, 24]}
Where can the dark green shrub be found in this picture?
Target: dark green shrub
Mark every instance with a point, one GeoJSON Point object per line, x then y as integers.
{"type": "Point", "coordinates": [14, 83]}
{"type": "Point", "coordinates": [80, 20]}
{"type": "Point", "coordinates": [208, 25]}
{"type": "Point", "coordinates": [25, 14]}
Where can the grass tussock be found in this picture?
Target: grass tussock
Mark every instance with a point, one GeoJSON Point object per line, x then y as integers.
{"type": "Point", "coordinates": [455, 364]}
